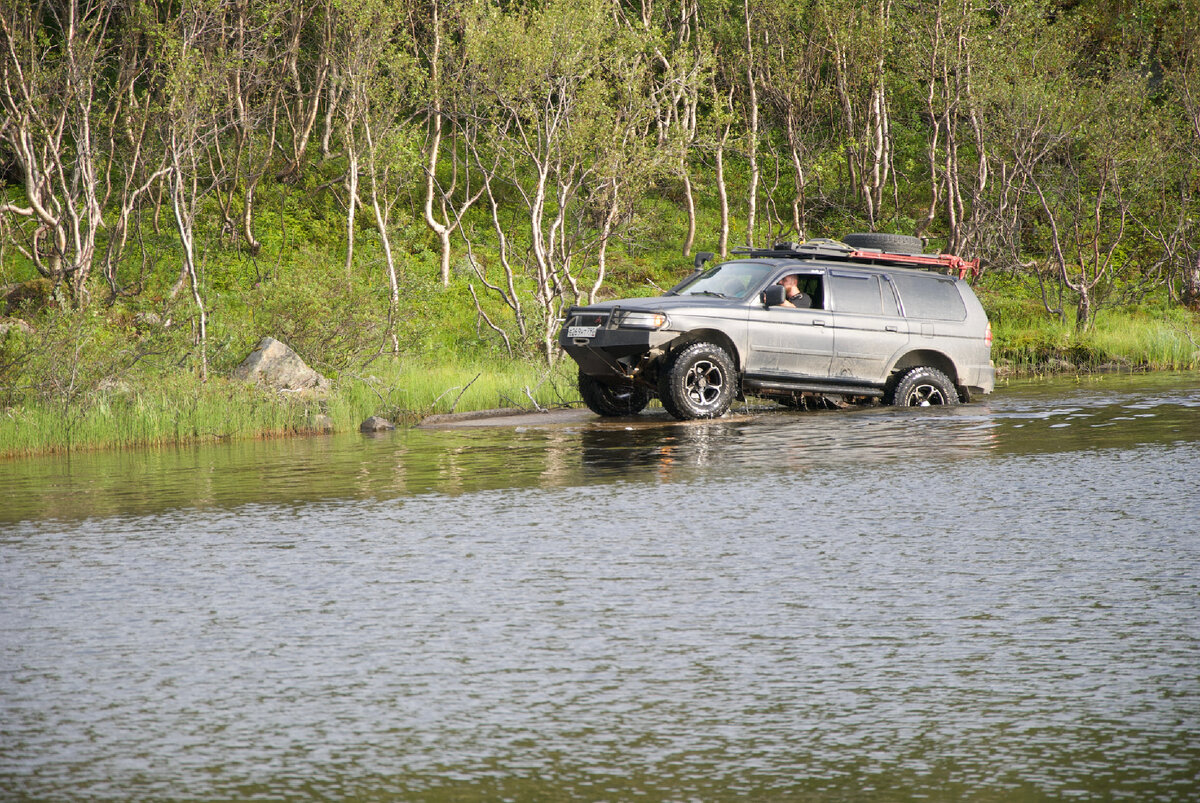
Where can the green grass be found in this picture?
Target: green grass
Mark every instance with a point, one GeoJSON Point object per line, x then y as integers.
{"type": "Point", "coordinates": [408, 390]}
{"type": "Point", "coordinates": [180, 409]}
{"type": "Point", "coordinates": [1151, 337]}
{"type": "Point", "coordinates": [1160, 339]}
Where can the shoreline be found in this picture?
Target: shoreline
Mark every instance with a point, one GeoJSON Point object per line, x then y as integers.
{"type": "Point", "coordinates": [516, 416]}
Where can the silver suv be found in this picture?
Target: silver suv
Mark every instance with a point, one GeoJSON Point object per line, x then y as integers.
{"type": "Point", "coordinates": [869, 316]}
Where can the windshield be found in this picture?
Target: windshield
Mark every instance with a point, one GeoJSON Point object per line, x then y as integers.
{"type": "Point", "coordinates": [727, 280]}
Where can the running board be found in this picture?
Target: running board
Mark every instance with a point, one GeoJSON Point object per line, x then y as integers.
{"type": "Point", "coordinates": [751, 383]}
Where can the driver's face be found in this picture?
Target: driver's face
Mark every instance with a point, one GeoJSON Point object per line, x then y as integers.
{"type": "Point", "coordinates": [790, 281]}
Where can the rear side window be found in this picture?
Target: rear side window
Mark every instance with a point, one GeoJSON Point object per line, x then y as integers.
{"type": "Point", "coordinates": [856, 294]}
{"type": "Point", "coordinates": [926, 296]}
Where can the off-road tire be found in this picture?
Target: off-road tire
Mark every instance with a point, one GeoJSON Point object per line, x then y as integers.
{"type": "Point", "coordinates": [891, 243]}
{"type": "Point", "coordinates": [699, 382]}
{"type": "Point", "coordinates": [612, 401]}
{"type": "Point", "coordinates": [923, 387]}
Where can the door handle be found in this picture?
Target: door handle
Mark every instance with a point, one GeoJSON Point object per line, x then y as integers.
{"type": "Point", "coordinates": [892, 328]}
{"type": "Point", "coordinates": [818, 322]}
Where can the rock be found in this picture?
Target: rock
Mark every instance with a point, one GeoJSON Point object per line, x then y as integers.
{"type": "Point", "coordinates": [321, 423]}
{"type": "Point", "coordinates": [14, 324]}
{"type": "Point", "coordinates": [275, 364]}
{"type": "Point", "coordinates": [376, 424]}
{"type": "Point", "coordinates": [35, 294]}
{"type": "Point", "coordinates": [115, 386]}
{"type": "Point", "coordinates": [150, 320]}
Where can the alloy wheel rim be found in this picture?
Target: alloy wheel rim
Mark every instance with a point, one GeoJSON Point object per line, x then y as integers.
{"type": "Point", "coordinates": [926, 395]}
{"type": "Point", "coordinates": [704, 383]}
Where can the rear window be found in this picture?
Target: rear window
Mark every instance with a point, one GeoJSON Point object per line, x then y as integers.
{"type": "Point", "coordinates": [926, 296]}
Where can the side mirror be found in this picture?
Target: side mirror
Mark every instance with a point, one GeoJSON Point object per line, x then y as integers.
{"type": "Point", "coordinates": [774, 295]}
{"type": "Point", "coordinates": [702, 257]}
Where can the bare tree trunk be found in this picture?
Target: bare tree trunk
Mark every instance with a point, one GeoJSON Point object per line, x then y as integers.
{"type": "Point", "coordinates": [507, 293]}
{"type": "Point", "coordinates": [723, 197]}
{"type": "Point", "coordinates": [690, 124]}
{"type": "Point", "coordinates": [433, 147]}
{"type": "Point", "coordinates": [52, 60]}
{"type": "Point", "coordinates": [1191, 286]}
{"type": "Point", "coordinates": [868, 157]}
{"type": "Point", "coordinates": [936, 119]}
{"type": "Point", "coordinates": [302, 114]}
{"type": "Point", "coordinates": [352, 203]}
{"type": "Point", "coordinates": [690, 239]}
{"type": "Point", "coordinates": [752, 134]}
{"type": "Point", "coordinates": [381, 220]}
{"type": "Point", "coordinates": [605, 234]}
{"type": "Point", "coordinates": [182, 201]}
{"type": "Point", "coordinates": [1083, 307]}
{"type": "Point", "coordinates": [799, 180]}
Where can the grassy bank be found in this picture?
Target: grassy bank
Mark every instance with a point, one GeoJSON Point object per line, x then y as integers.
{"type": "Point", "coordinates": [1151, 336]}
{"type": "Point", "coordinates": [180, 409]}
{"type": "Point", "coordinates": [157, 407]}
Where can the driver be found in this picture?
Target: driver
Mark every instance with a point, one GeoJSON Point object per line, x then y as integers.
{"type": "Point", "coordinates": [795, 296]}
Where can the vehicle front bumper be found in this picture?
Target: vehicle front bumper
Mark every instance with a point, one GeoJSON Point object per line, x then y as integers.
{"type": "Point", "coordinates": [615, 353]}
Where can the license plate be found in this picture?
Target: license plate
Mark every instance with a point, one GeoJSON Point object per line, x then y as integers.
{"type": "Point", "coordinates": [581, 331]}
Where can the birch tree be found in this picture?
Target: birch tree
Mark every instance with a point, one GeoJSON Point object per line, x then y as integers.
{"type": "Point", "coordinates": [189, 134]}
{"type": "Point", "coordinates": [946, 49]}
{"type": "Point", "coordinates": [444, 208]}
{"type": "Point", "coordinates": [553, 78]}
{"type": "Point", "coordinates": [380, 81]}
{"type": "Point", "coordinates": [798, 98]}
{"type": "Point", "coordinates": [55, 53]}
{"type": "Point", "coordinates": [1181, 238]}
{"type": "Point", "coordinates": [856, 38]}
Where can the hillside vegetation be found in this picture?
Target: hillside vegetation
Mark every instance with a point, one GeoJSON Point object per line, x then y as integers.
{"type": "Point", "coordinates": [411, 193]}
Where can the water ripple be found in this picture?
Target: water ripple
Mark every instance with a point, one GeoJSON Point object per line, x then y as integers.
{"type": "Point", "coordinates": [871, 605]}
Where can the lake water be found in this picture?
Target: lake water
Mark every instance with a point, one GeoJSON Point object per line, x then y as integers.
{"type": "Point", "coordinates": [999, 601]}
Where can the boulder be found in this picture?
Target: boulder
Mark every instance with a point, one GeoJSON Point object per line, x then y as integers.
{"type": "Point", "coordinates": [376, 424]}
{"type": "Point", "coordinates": [275, 365]}
{"type": "Point", "coordinates": [14, 325]}
{"type": "Point", "coordinates": [150, 320]}
{"type": "Point", "coordinates": [34, 295]}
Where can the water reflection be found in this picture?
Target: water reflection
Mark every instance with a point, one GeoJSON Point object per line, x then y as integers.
{"type": "Point", "coordinates": [1031, 418]}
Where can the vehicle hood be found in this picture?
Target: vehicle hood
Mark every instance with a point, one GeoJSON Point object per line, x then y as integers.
{"type": "Point", "coordinates": [666, 303]}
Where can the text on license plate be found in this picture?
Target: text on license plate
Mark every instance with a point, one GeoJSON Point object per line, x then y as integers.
{"type": "Point", "coordinates": [581, 331]}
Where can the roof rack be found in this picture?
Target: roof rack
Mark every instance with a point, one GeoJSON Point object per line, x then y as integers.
{"type": "Point", "coordinates": [834, 249]}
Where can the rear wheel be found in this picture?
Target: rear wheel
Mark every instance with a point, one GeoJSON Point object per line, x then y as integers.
{"type": "Point", "coordinates": [924, 387]}
{"type": "Point", "coordinates": [699, 382]}
{"type": "Point", "coordinates": [612, 400]}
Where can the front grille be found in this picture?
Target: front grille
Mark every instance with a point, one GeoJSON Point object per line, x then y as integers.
{"type": "Point", "coordinates": [588, 319]}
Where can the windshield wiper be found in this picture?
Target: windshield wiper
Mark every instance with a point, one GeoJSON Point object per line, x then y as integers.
{"type": "Point", "coordinates": [713, 293]}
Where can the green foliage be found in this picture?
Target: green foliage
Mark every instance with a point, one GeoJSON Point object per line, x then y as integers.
{"type": "Point", "coordinates": [329, 320]}
{"type": "Point", "coordinates": [1067, 129]}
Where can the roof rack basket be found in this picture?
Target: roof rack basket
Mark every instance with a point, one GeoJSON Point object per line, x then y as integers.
{"type": "Point", "coordinates": [833, 249]}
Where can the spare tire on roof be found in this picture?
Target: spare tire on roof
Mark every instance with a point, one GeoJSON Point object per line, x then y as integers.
{"type": "Point", "coordinates": [891, 243]}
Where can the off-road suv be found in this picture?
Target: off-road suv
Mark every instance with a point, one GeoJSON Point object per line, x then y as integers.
{"type": "Point", "coordinates": [882, 321]}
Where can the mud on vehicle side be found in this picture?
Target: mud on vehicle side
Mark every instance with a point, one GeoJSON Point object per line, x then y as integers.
{"type": "Point", "coordinates": [870, 317]}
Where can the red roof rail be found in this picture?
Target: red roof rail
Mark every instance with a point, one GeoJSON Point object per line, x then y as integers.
{"type": "Point", "coordinates": [950, 262]}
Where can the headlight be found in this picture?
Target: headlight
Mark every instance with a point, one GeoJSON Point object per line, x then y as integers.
{"type": "Point", "coordinates": [643, 320]}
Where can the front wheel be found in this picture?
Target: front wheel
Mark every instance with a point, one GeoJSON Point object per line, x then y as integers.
{"type": "Point", "coordinates": [699, 382]}
{"type": "Point", "coordinates": [612, 401]}
{"type": "Point", "coordinates": [924, 387]}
